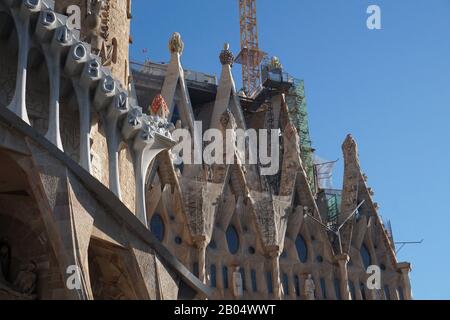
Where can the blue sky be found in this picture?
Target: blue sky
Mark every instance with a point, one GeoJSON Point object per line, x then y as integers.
{"type": "Point", "coordinates": [389, 88]}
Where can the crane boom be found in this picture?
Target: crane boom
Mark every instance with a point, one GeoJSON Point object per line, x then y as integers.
{"type": "Point", "coordinates": [250, 56]}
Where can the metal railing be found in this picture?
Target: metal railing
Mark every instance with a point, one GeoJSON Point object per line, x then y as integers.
{"type": "Point", "coordinates": [160, 69]}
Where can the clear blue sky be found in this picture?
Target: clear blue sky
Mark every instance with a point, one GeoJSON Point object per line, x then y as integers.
{"type": "Point", "coordinates": [389, 88]}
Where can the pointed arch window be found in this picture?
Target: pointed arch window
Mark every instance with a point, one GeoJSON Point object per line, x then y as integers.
{"type": "Point", "coordinates": [324, 288]}
{"type": "Point", "coordinates": [254, 282]}
{"type": "Point", "coordinates": [365, 256]}
{"type": "Point", "coordinates": [225, 277]}
{"type": "Point", "coordinates": [157, 226]}
{"type": "Point", "coordinates": [297, 285]}
{"type": "Point", "coordinates": [337, 288]}
{"type": "Point", "coordinates": [285, 284]}
{"type": "Point", "coordinates": [213, 275]}
{"type": "Point", "coordinates": [269, 282]}
{"type": "Point", "coordinates": [302, 249]}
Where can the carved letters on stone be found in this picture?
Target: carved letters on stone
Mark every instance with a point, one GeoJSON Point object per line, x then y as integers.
{"type": "Point", "coordinates": [98, 17]}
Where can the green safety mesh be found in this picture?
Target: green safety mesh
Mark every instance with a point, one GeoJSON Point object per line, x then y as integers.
{"type": "Point", "coordinates": [296, 101]}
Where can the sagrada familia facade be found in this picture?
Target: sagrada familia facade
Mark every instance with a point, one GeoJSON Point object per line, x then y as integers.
{"type": "Point", "coordinates": [93, 207]}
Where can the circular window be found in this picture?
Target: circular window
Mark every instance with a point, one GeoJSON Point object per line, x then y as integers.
{"type": "Point", "coordinates": [157, 226]}
{"type": "Point", "coordinates": [251, 250]}
{"type": "Point", "coordinates": [178, 240]}
{"type": "Point", "coordinates": [319, 259]}
{"type": "Point", "coordinates": [232, 239]}
{"type": "Point", "coordinates": [302, 249]}
{"type": "Point", "coordinates": [382, 267]}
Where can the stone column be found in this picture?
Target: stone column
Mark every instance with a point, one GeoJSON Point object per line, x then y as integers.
{"type": "Point", "coordinates": [275, 262]}
{"type": "Point", "coordinates": [291, 284]}
{"type": "Point", "coordinates": [342, 260]}
{"type": "Point", "coordinates": [200, 243]}
{"type": "Point", "coordinates": [404, 268]}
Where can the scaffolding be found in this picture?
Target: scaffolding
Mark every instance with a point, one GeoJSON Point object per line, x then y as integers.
{"type": "Point", "coordinates": [298, 114]}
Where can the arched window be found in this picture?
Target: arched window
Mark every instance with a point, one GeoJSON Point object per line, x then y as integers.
{"type": "Point", "coordinates": [365, 256]}
{"type": "Point", "coordinates": [337, 288]}
{"type": "Point", "coordinates": [297, 285]}
{"type": "Point", "coordinates": [244, 286]}
{"type": "Point", "coordinates": [225, 277]}
{"type": "Point", "coordinates": [254, 282]}
{"type": "Point", "coordinates": [157, 226]}
{"type": "Point", "coordinates": [269, 282]}
{"type": "Point", "coordinates": [285, 284]}
{"type": "Point", "coordinates": [324, 288]}
{"type": "Point", "coordinates": [175, 115]}
{"type": "Point", "coordinates": [213, 276]}
{"type": "Point", "coordinates": [351, 287]}
{"type": "Point", "coordinates": [302, 249]}
{"type": "Point", "coordinates": [232, 239]}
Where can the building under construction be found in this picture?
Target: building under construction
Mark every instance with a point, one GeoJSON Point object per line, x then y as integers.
{"type": "Point", "coordinates": [89, 189]}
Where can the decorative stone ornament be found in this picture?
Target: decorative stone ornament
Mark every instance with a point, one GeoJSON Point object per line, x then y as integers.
{"type": "Point", "coordinates": [226, 56]}
{"type": "Point", "coordinates": [159, 107]}
{"type": "Point", "coordinates": [176, 45]}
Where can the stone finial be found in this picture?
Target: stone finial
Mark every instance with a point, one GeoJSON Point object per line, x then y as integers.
{"type": "Point", "coordinates": [349, 147]}
{"type": "Point", "coordinates": [176, 45]}
{"type": "Point", "coordinates": [275, 63]}
{"type": "Point", "coordinates": [159, 107]}
{"type": "Point", "coordinates": [226, 56]}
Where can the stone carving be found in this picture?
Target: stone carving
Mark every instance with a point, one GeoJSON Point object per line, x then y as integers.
{"type": "Point", "coordinates": [310, 288]}
{"type": "Point", "coordinates": [24, 285]}
{"type": "Point", "coordinates": [226, 56]}
{"type": "Point", "coordinates": [98, 18]}
{"type": "Point", "coordinates": [176, 45]}
{"type": "Point", "coordinates": [349, 146]}
{"type": "Point", "coordinates": [26, 279]}
{"type": "Point", "coordinates": [159, 107]}
{"type": "Point", "coordinates": [238, 289]}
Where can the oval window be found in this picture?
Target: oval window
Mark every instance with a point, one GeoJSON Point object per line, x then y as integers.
{"type": "Point", "coordinates": [157, 226]}
{"type": "Point", "coordinates": [232, 239]}
{"type": "Point", "coordinates": [302, 249]}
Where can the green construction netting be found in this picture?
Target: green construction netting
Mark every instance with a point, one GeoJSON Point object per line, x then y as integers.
{"type": "Point", "coordinates": [296, 101]}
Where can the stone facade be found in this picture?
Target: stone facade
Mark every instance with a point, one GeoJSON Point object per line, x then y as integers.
{"type": "Point", "coordinates": [88, 185]}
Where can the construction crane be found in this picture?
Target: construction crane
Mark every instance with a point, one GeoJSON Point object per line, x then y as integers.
{"type": "Point", "coordinates": [250, 56]}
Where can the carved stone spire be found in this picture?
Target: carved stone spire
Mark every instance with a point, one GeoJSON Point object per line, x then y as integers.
{"type": "Point", "coordinates": [176, 45]}
{"type": "Point", "coordinates": [226, 56]}
{"type": "Point", "coordinates": [350, 148]}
